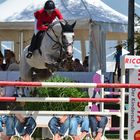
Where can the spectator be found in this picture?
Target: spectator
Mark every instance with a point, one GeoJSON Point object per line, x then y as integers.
{"type": "Point", "coordinates": [75, 121]}
{"type": "Point", "coordinates": [2, 134]}
{"type": "Point", "coordinates": [25, 126]}
{"type": "Point", "coordinates": [97, 124]}
{"type": "Point", "coordinates": [2, 91]}
{"type": "Point", "coordinates": [13, 66]}
{"type": "Point", "coordinates": [1, 62]}
{"type": "Point", "coordinates": [59, 126]}
{"type": "Point", "coordinates": [68, 65]}
{"type": "Point", "coordinates": [77, 66]}
{"type": "Point", "coordinates": [3, 106]}
{"type": "Point", "coordinates": [9, 121]}
{"type": "Point", "coordinates": [10, 59]}
{"type": "Point", "coordinates": [117, 58]}
{"type": "Point", "coordinates": [85, 63]}
{"type": "Point", "coordinates": [7, 56]}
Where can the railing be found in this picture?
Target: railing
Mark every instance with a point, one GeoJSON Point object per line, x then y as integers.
{"type": "Point", "coordinates": [67, 85]}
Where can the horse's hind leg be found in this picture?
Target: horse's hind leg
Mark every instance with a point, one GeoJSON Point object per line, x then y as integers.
{"type": "Point", "coordinates": [26, 75]}
{"type": "Point", "coordinates": [41, 74]}
{"type": "Point", "coordinates": [25, 70]}
{"type": "Point", "coordinates": [45, 74]}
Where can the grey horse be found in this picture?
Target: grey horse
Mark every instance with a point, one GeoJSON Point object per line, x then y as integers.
{"type": "Point", "coordinates": [56, 45]}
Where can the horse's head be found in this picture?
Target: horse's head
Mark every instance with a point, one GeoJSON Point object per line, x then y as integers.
{"type": "Point", "coordinates": [68, 37]}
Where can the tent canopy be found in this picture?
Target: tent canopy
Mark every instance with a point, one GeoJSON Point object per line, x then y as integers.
{"type": "Point", "coordinates": [80, 10]}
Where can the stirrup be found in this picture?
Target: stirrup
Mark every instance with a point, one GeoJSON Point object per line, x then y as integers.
{"type": "Point", "coordinates": [29, 55]}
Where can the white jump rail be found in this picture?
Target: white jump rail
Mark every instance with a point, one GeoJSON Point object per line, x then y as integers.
{"type": "Point", "coordinates": [6, 112]}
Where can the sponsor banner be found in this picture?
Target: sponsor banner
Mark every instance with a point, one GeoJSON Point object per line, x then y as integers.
{"type": "Point", "coordinates": [134, 107]}
{"type": "Point", "coordinates": [131, 62]}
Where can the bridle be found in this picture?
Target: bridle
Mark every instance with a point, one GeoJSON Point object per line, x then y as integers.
{"type": "Point", "coordinates": [61, 44]}
{"type": "Point", "coordinates": [68, 44]}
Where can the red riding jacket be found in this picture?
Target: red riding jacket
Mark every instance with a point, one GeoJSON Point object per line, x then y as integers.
{"type": "Point", "coordinates": [44, 18]}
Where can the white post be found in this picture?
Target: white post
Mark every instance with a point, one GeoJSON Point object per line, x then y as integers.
{"type": "Point", "coordinates": [122, 104]}
{"type": "Point", "coordinates": [102, 93]}
{"type": "Point", "coordinates": [83, 49]}
{"type": "Point", "coordinates": [21, 43]}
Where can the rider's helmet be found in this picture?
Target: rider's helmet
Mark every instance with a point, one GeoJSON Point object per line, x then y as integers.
{"type": "Point", "coordinates": [49, 5]}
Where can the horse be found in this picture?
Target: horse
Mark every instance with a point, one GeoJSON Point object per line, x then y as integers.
{"type": "Point", "coordinates": [56, 45]}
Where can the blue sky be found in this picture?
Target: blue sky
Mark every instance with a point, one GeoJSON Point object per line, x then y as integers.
{"type": "Point", "coordinates": [1, 1]}
{"type": "Point", "coordinates": [121, 5]}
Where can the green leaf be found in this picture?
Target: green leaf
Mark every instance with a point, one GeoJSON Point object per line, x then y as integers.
{"type": "Point", "coordinates": [58, 92]}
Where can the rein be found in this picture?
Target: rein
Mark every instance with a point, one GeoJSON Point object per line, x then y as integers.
{"type": "Point", "coordinates": [56, 42]}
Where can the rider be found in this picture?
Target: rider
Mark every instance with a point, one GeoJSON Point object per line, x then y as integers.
{"type": "Point", "coordinates": [44, 17]}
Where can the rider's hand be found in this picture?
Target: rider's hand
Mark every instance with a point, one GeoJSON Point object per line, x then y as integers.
{"type": "Point", "coordinates": [46, 24]}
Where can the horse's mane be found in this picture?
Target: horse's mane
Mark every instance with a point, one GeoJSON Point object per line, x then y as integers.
{"type": "Point", "coordinates": [55, 26]}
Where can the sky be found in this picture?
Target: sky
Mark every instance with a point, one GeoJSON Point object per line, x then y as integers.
{"type": "Point", "coordinates": [122, 5]}
{"type": "Point", "coordinates": [119, 5]}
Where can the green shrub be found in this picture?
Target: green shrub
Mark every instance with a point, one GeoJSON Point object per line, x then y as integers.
{"type": "Point", "coordinates": [58, 92]}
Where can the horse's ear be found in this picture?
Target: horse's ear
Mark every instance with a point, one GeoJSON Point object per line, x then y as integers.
{"type": "Point", "coordinates": [61, 23]}
{"type": "Point", "coordinates": [73, 24]}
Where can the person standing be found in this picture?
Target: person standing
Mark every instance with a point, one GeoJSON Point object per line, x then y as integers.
{"type": "Point", "coordinates": [1, 62]}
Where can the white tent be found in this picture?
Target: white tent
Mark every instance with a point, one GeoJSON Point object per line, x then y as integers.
{"type": "Point", "coordinates": [80, 10]}
{"type": "Point", "coordinates": [100, 21]}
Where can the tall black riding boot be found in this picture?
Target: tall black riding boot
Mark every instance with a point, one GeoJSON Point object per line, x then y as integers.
{"type": "Point", "coordinates": [31, 47]}
{"type": "Point", "coordinates": [35, 43]}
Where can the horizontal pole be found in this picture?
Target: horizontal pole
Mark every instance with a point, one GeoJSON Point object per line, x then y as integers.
{"type": "Point", "coordinates": [6, 112]}
{"type": "Point", "coordinates": [113, 110]}
{"type": "Point", "coordinates": [68, 85]}
{"type": "Point", "coordinates": [114, 93]}
{"type": "Point", "coordinates": [115, 129]}
{"type": "Point", "coordinates": [56, 99]}
{"type": "Point", "coordinates": [105, 100]}
{"type": "Point", "coordinates": [7, 99]}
